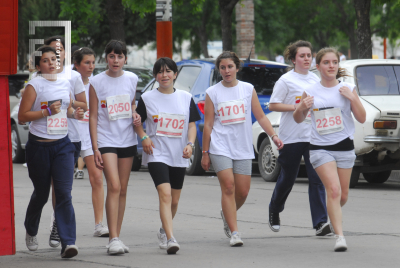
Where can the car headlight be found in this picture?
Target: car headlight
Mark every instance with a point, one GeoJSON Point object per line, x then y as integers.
{"type": "Point", "coordinates": [385, 124]}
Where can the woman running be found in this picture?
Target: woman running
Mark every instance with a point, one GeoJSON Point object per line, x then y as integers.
{"type": "Point", "coordinates": [170, 116]}
{"type": "Point", "coordinates": [112, 101]}
{"type": "Point", "coordinates": [49, 152]}
{"type": "Point", "coordinates": [84, 61]}
{"type": "Point", "coordinates": [285, 98]}
{"type": "Point", "coordinates": [332, 147]}
{"type": "Point", "coordinates": [227, 138]}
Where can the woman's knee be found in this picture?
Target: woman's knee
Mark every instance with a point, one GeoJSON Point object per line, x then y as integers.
{"type": "Point", "coordinates": [242, 193]}
{"type": "Point", "coordinates": [334, 191]}
{"type": "Point", "coordinates": [165, 196]}
{"type": "Point", "coordinates": [113, 187]}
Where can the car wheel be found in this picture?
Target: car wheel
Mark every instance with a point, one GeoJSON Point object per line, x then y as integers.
{"type": "Point", "coordinates": [267, 162]}
{"type": "Point", "coordinates": [18, 154]}
{"type": "Point", "coordinates": [377, 177]}
{"type": "Point", "coordinates": [355, 175]}
{"type": "Point", "coordinates": [195, 161]}
{"type": "Point", "coordinates": [137, 163]}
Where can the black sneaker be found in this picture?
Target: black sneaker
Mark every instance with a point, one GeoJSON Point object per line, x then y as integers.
{"type": "Point", "coordinates": [274, 222]}
{"type": "Point", "coordinates": [54, 239]}
{"type": "Point", "coordinates": [322, 229]}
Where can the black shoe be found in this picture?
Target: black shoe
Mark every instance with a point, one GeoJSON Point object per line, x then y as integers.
{"type": "Point", "coordinates": [274, 222]}
{"type": "Point", "coordinates": [322, 229]}
{"type": "Point", "coordinates": [54, 239]}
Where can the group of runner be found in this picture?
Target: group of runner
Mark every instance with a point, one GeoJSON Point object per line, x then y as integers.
{"type": "Point", "coordinates": [62, 128]}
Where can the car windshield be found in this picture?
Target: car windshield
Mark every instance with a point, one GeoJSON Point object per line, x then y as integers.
{"type": "Point", "coordinates": [378, 80]}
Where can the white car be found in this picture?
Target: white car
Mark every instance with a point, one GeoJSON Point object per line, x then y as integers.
{"type": "Point", "coordinates": [376, 142]}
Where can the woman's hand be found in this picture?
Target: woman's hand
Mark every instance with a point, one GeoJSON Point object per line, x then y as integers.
{"type": "Point", "coordinates": [79, 113]}
{"type": "Point", "coordinates": [205, 162]}
{"type": "Point", "coordinates": [187, 151]}
{"type": "Point", "coordinates": [55, 108]}
{"type": "Point", "coordinates": [98, 160]}
{"type": "Point", "coordinates": [306, 103]}
{"type": "Point", "coordinates": [346, 92]}
{"type": "Point", "coordinates": [148, 146]}
{"type": "Point", "coordinates": [137, 120]}
{"type": "Point", "coordinates": [277, 142]}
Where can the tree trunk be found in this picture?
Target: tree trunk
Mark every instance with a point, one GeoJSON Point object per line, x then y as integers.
{"type": "Point", "coordinates": [226, 8]}
{"type": "Point", "coordinates": [362, 8]}
{"type": "Point", "coordinates": [116, 16]}
{"type": "Point", "coordinates": [353, 43]}
{"type": "Point", "coordinates": [202, 33]}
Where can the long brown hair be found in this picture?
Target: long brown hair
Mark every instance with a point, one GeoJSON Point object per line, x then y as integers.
{"type": "Point", "coordinates": [291, 51]}
{"type": "Point", "coordinates": [341, 71]}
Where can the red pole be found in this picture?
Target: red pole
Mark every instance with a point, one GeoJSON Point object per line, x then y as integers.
{"type": "Point", "coordinates": [384, 48]}
{"type": "Point", "coordinates": [164, 39]}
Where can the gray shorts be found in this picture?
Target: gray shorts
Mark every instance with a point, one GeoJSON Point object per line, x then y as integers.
{"type": "Point", "coordinates": [220, 162]}
{"type": "Point", "coordinates": [343, 159]}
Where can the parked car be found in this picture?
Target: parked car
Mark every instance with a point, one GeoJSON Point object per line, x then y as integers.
{"type": "Point", "coordinates": [19, 133]}
{"type": "Point", "coordinates": [195, 76]}
{"type": "Point", "coordinates": [377, 141]}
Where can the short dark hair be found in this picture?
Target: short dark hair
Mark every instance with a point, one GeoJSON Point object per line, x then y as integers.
{"type": "Point", "coordinates": [161, 62]}
{"type": "Point", "coordinates": [228, 55]}
{"type": "Point", "coordinates": [117, 46]}
{"type": "Point", "coordinates": [59, 38]}
{"type": "Point", "coordinates": [43, 49]}
{"type": "Point", "coordinates": [80, 53]}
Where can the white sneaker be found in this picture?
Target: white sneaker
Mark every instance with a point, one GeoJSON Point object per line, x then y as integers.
{"type": "Point", "coordinates": [31, 242]}
{"type": "Point", "coordinates": [236, 241]}
{"type": "Point", "coordinates": [172, 246]}
{"type": "Point", "coordinates": [25, 165]}
{"type": "Point", "coordinates": [126, 249]}
{"type": "Point", "coordinates": [162, 238]}
{"type": "Point", "coordinates": [79, 174]}
{"type": "Point", "coordinates": [340, 243]}
{"type": "Point", "coordinates": [227, 231]}
{"type": "Point", "coordinates": [69, 251]}
{"type": "Point", "coordinates": [114, 247]}
{"type": "Point", "coordinates": [101, 230]}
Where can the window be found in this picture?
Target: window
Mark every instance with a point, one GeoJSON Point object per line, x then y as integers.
{"type": "Point", "coordinates": [378, 80]}
{"type": "Point", "coordinates": [187, 77]}
{"type": "Point", "coordinates": [263, 79]}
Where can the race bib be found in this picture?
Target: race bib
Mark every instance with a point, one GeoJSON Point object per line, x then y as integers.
{"type": "Point", "coordinates": [57, 124]}
{"type": "Point", "coordinates": [232, 112]}
{"type": "Point", "coordinates": [328, 121]}
{"type": "Point", "coordinates": [119, 107]}
{"type": "Point", "coordinates": [308, 118]}
{"type": "Point", "coordinates": [170, 125]}
{"type": "Point", "coordinates": [85, 118]}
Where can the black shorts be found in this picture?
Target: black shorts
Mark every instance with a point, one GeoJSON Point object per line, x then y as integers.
{"type": "Point", "coordinates": [162, 173]}
{"type": "Point", "coordinates": [120, 152]}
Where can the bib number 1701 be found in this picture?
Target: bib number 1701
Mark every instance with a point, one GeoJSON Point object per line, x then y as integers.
{"type": "Point", "coordinates": [235, 109]}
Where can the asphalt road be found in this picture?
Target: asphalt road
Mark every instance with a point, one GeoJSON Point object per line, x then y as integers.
{"type": "Point", "coordinates": [371, 223]}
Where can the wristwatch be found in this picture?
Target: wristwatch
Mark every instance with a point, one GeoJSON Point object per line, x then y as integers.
{"type": "Point", "coordinates": [191, 144]}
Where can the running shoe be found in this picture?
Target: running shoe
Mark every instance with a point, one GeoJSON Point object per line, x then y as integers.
{"type": "Point", "coordinates": [162, 238]}
{"type": "Point", "coordinates": [236, 241]}
{"type": "Point", "coordinates": [274, 221]}
{"type": "Point", "coordinates": [114, 247]}
{"type": "Point", "coordinates": [79, 174]}
{"type": "Point", "coordinates": [126, 249]}
{"type": "Point", "coordinates": [54, 239]}
{"type": "Point", "coordinates": [340, 243]}
{"type": "Point", "coordinates": [25, 165]}
{"type": "Point", "coordinates": [31, 242]}
{"type": "Point", "coordinates": [226, 227]}
{"type": "Point", "coordinates": [69, 252]}
{"type": "Point", "coordinates": [322, 229]}
{"type": "Point", "coordinates": [101, 230]}
{"type": "Point", "coordinates": [172, 246]}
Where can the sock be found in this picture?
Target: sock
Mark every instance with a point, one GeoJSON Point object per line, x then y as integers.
{"type": "Point", "coordinates": [235, 233]}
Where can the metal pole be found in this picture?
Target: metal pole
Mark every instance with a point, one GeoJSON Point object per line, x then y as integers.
{"type": "Point", "coordinates": [164, 28]}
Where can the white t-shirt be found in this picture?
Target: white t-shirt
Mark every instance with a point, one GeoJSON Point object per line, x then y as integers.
{"type": "Point", "coordinates": [288, 90]}
{"type": "Point", "coordinates": [114, 133]}
{"type": "Point", "coordinates": [84, 126]}
{"type": "Point", "coordinates": [48, 91]}
{"type": "Point", "coordinates": [330, 97]}
{"type": "Point", "coordinates": [235, 140]}
{"type": "Point", "coordinates": [168, 150]}
{"type": "Point", "coordinates": [76, 87]}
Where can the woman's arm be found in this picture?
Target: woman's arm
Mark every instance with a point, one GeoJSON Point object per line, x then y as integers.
{"type": "Point", "coordinates": [208, 126]}
{"type": "Point", "coordinates": [93, 117]}
{"type": "Point", "coordinates": [356, 106]}
{"type": "Point", "coordinates": [187, 151]}
{"type": "Point", "coordinates": [26, 115]}
{"type": "Point", "coordinates": [80, 102]}
{"type": "Point", "coordinates": [302, 110]}
{"type": "Point", "coordinates": [281, 107]}
{"type": "Point", "coordinates": [263, 120]}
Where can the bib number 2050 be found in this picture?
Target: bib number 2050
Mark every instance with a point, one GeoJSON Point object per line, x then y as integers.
{"type": "Point", "coordinates": [119, 107]}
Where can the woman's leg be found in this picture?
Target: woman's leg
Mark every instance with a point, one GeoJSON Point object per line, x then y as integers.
{"type": "Point", "coordinates": [111, 173]}
{"type": "Point", "coordinates": [165, 198]}
{"type": "Point", "coordinates": [96, 181]}
{"type": "Point", "coordinates": [124, 171]}
{"type": "Point", "coordinates": [227, 183]}
{"type": "Point", "coordinates": [176, 195]}
{"type": "Point", "coordinates": [344, 178]}
{"type": "Point", "coordinates": [328, 174]}
{"type": "Point", "coordinates": [80, 163]}
{"type": "Point", "coordinates": [242, 188]}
